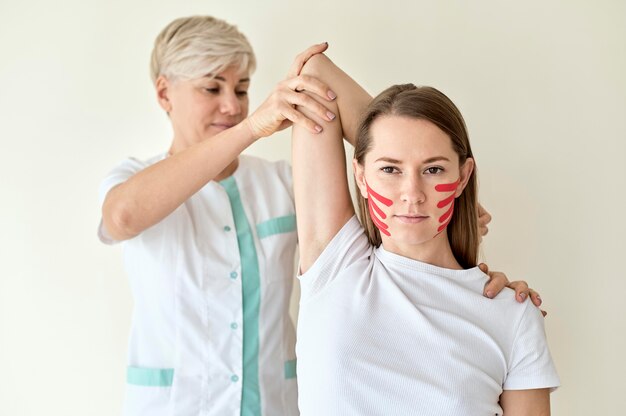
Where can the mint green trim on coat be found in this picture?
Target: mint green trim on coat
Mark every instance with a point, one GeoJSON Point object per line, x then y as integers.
{"type": "Point", "coordinates": [290, 369]}
{"type": "Point", "coordinates": [150, 377]}
{"type": "Point", "coordinates": [251, 299]}
{"type": "Point", "coordinates": [276, 225]}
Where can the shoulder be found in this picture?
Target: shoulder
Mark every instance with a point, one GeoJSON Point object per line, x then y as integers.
{"type": "Point", "coordinates": [530, 364]}
{"type": "Point", "coordinates": [123, 171]}
{"type": "Point", "coordinates": [347, 248]}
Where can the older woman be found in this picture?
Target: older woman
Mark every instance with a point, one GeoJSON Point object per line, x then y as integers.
{"type": "Point", "coordinates": [209, 235]}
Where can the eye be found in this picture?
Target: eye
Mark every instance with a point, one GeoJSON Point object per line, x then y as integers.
{"type": "Point", "coordinates": [241, 93]}
{"type": "Point", "coordinates": [433, 170]}
{"type": "Point", "coordinates": [214, 90]}
{"type": "Point", "coordinates": [389, 169]}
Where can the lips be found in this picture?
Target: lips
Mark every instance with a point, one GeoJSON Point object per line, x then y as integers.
{"type": "Point", "coordinates": [411, 218]}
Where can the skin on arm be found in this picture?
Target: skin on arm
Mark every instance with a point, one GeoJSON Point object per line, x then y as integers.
{"type": "Point", "coordinates": [535, 402]}
{"type": "Point", "coordinates": [152, 194]}
{"type": "Point", "coordinates": [155, 192]}
{"type": "Point", "coordinates": [322, 196]}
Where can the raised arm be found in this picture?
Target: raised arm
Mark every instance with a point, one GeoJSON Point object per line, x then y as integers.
{"type": "Point", "coordinates": [323, 202]}
{"type": "Point", "coordinates": [155, 192]}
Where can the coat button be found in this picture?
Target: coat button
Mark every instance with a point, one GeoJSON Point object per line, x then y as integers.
{"type": "Point", "coordinates": [226, 228]}
{"type": "Point", "coordinates": [234, 378]}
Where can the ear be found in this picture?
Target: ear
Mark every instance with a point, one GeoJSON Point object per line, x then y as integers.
{"type": "Point", "coordinates": [162, 86]}
{"type": "Point", "coordinates": [466, 174]}
{"type": "Point", "coordinates": [359, 176]}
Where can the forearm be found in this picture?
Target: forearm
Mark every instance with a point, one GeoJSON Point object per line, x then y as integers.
{"type": "Point", "coordinates": [155, 192]}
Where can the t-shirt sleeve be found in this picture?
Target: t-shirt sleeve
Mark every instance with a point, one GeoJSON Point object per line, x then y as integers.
{"type": "Point", "coordinates": [348, 247]}
{"type": "Point", "coordinates": [119, 174]}
{"type": "Point", "coordinates": [531, 365]}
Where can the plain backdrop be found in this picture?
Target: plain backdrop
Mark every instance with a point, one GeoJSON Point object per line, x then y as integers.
{"type": "Point", "coordinates": [541, 85]}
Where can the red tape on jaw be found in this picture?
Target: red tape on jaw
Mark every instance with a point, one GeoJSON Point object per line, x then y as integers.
{"type": "Point", "coordinates": [449, 200]}
{"type": "Point", "coordinates": [374, 209]}
{"type": "Point", "coordinates": [381, 198]}
{"type": "Point", "coordinates": [382, 227]}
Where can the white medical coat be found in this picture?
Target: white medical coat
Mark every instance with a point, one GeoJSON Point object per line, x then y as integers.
{"type": "Point", "coordinates": [192, 324]}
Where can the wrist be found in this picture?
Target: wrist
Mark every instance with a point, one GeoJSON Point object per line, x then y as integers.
{"type": "Point", "coordinates": [247, 127]}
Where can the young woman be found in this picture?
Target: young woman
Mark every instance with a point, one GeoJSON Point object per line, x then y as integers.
{"type": "Point", "coordinates": [209, 236]}
{"type": "Point", "coordinates": [392, 319]}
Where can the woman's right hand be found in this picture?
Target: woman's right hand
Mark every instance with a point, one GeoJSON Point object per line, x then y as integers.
{"type": "Point", "coordinates": [279, 110]}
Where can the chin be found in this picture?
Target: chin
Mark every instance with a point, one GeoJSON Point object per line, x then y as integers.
{"type": "Point", "coordinates": [412, 238]}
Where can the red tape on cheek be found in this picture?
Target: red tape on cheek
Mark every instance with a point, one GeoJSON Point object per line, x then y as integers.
{"type": "Point", "coordinates": [382, 227]}
{"type": "Point", "coordinates": [448, 187]}
{"type": "Point", "coordinates": [381, 198]}
{"type": "Point", "coordinates": [449, 200]}
{"type": "Point", "coordinates": [376, 213]}
{"type": "Point", "coordinates": [446, 217]}
{"type": "Point", "coordinates": [446, 202]}
{"type": "Point", "coordinates": [448, 213]}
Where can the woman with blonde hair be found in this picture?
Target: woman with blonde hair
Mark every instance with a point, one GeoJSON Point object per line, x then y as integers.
{"type": "Point", "coordinates": [392, 319]}
{"type": "Point", "coordinates": [209, 235]}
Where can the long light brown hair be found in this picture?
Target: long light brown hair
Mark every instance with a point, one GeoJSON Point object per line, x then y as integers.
{"type": "Point", "coordinates": [430, 104]}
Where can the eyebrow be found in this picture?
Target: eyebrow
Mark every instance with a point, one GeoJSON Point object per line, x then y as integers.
{"type": "Point", "coordinates": [241, 81]}
{"type": "Point", "coordinates": [436, 159]}
{"type": "Point", "coordinates": [429, 160]}
{"type": "Point", "coordinates": [388, 160]}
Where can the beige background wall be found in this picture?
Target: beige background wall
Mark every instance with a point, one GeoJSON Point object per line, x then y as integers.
{"type": "Point", "coordinates": [542, 87]}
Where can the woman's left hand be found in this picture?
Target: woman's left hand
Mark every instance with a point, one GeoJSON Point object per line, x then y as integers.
{"type": "Point", "coordinates": [498, 281]}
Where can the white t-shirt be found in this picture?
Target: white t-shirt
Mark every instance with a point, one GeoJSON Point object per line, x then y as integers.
{"type": "Point", "coordinates": [202, 341]}
{"type": "Point", "coordinates": [382, 334]}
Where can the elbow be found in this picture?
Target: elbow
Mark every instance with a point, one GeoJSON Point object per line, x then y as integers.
{"type": "Point", "coordinates": [317, 66]}
{"type": "Point", "coordinates": [118, 221]}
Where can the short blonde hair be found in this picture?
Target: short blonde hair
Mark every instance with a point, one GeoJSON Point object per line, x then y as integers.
{"type": "Point", "coordinates": [196, 46]}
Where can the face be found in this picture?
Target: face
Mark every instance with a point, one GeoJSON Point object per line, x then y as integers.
{"type": "Point", "coordinates": [202, 107]}
{"type": "Point", "coordinates": [411, 178]}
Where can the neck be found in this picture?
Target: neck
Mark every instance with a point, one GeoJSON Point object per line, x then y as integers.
{"type": "Point", "coordinates": [436, 251]}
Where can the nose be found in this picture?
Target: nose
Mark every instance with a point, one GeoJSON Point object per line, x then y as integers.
{"type": "Point", "coordinates": [230, 104]}
{"type": "Point", "coordinates": [413, 191]}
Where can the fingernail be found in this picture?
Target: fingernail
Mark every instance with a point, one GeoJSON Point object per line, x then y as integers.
{"type": "Point", "coordinates": [318, 129]}
{"type": "Point", "coordinates": [331, 95]}
{"type": "Point", "coordinates": [523, 296]}
{"type": "Point", "coordinates": [324, 43]}
{"type": "Point", "coordinates": [489, 294]}
{"type": "Point", "coordinates": [330, 115]}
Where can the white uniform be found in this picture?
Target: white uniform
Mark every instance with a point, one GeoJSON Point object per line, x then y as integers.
{"type": "Point", "coordinates": [382, 334]}
{"type": "Point", "coordinates": [211, 334]}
